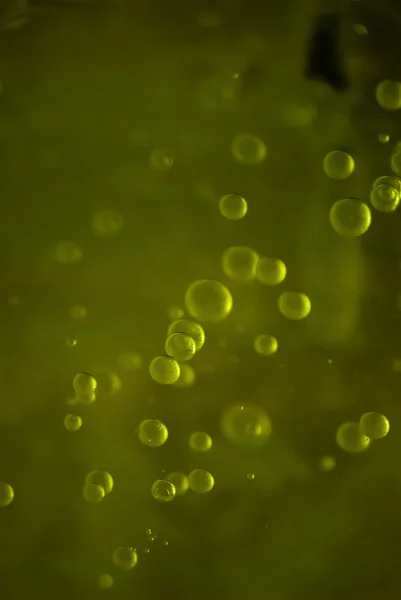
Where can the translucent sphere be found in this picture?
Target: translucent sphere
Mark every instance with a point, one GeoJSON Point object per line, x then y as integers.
{"type": "Point", "coordinates": [208, 300]}
{"type": "Point", "coordinates": [338, 165]}
{"type": "Point", "coordinates": [327, 463]}
{"type": "Point", "coordinates": [266, 345]}
{"type": "Point", "coordinates": [84, 384]}
{"type": "Point", "coordinates": [179, 481]}
{"type": "Point", "coordinates": [72, 422]}
{"type": "Point", "coordinates": [374, 425]}
{"type": "Point", "coordinates": [78, 312]}
{"type": "Point", "coordinates": [396, 162]}
{"type": "Point", "coordinates": [246, 425]}
{"type": "Point", "coordinates": [248, 149]}
{"type": "Point", "coordinates": [161, 159]}
{"type": "Point", "coordinates": [93, 493]}
{"type": "Point", "coordinates": [163, 490]}
{"type": "Point", "coordinates": [383, 138]}
{"type": "Point", "coordinates": [388, 94]}
{"type": "Point", "coordinates": [164, 370]}
{"type": "Point", "coordinates": [102, 478]}
{"type": "Point", "coordinates": [175, 312]}
{"type": "Point", "coordinates": [6, 494]}
{"type": "Point", "coordinates": [180, 346]}
{"type": "Point", "coordinates": [294, 305]}
{"type": "Point", "coordinates": [350, 217]}
{"type": "Point", "coordinates": [125, 558]}
{"type": "Point", "coordinates": [200, 481]}
{"type": "Point", "coordinates": [106, 223]}
{"type": "Point", "coordinates": [239, 263]}
{"type": "Point", "coordinates": [233, 207]}
{"type": "Point", "coordinates": [68, 253]}
{"type": "Point", "coordinates": [384, 197]}
{"type": "Point", "coordinates": [350, 438]}
{"type": "Point", "coordinates": [71, 342]}
{"type": "Point", "coordinates": [194, 330]}
{"type": "Point", "coordinates": [271, 271]}
{"type": "Point", "coordinates": [153, 433]}
{"type": "Point", "coordinates": [187, 377]}
{"type": "Point", "coordinates": [105, 581]}
{"type": "Point", "coordinates": [200, 441]}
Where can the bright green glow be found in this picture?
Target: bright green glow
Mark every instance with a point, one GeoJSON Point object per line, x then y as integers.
{"type": "Point", "coordinates": [294, 305]}
{"type": "Point", "coordinates": [179, 481]}
{"type": "Point", "coordinates": [374, 425]}
{"type": "Point", "coordinates": [208, 300]}
{"type": "Point", "coordinates": [233, 207]}
{"type": "Point", "coordinates": [164, 370]}
{"type": "Point", "coordinates": [239, 263]}
{"type": "Point", "coordinates": [106, 223]}
{"type": "Point", "coordinates": [187, 377]}
{"type": "Point", "coordinates": [338, 165]}
{"type": "Point", "coordinates": [180, 346]}
{"type": "Point", "coordinates": [350, 438]}
{"type": "Point", "coordinates": [72, 422]}
{"type": "Point", "coordinates": [388, 94]}
{"type": "Point", "coordinates": [200, 441]}
{"type": "Point", "coordinates": [194, 330]}
{"type": "Point", "coordinates": [246, 425]}
{"type": "Point", "coordinates": [68, 253]}
{"type": "Point", "coordinates": [153, 433]}
{"type": "Point", "coordinates": [102, 478]}
{"type": "Point", "coordinates": [271, 271]}
{"type": "Point", "coordinates": [125, 558]}
{"type": "Point", "coordinates": [200, 482]}
{"type": "Point", "coordinates": [350, 217]}
{"type": "Point", "coordinates": [6, 494]}
{"type": "Point", "coordinates": [248, 149]}
{"type": "Point", "coordinates": [93, 493]}
{"type": "Point", "coordinates": [266, 345]}
{"type": "Point", "coordinates": [163, 490]}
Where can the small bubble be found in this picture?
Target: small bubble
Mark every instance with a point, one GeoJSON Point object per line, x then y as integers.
{"type": "Point", "coordinates": [161, 159]}
{"type": "Point", "coordinates": [106, 223]}
{"type": "Point", "coordinates": [146, 550]}
{"type": "Point", "coordinates": [68, 253]}
{"type": "Point", "coordinates": [165, 543]}
{"type": "Point", "coordinates": [70, 342]}
{"type": "Point", "coordinates": [383, 138]}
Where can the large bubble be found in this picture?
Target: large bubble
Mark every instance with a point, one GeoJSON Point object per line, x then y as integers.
{"type": "Point", "coordinates": [350, 438]}
{"type": "Point", "coordinates": [239, 263]}
{"type": "Point", "coordinates": [248, 149]}
{"type": "Point", "coordinates": [200, 481]}
{"type": "Point", "coordinates": [153, 433]}
{"type": "Point", "coordinates": [164, 370]}
{"type": "Point", "coordinates": [233, 207]}
{"type": "Point", "coordinates": [180, 346]}
{"type": "Point", "coordinates": [338, 164]}
{"type": "Point", "coordinates": [350, 217]}
{"type": "Point", "coordinates": [194, 330]}
{"type": "Point", "coordinates": [208, 300]}
{"type": "Point", "coordinates": [374, 425]}
{"type": "Point", "coordinates": [271, 271]}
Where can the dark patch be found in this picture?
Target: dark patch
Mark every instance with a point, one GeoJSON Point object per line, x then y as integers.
{"type": "Point", "coordinates": [325, 60]}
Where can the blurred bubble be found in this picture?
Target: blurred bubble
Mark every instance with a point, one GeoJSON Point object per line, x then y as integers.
{"type": "Point", "coordinates": [248, 149]}
{"type": "Point", "coordinates": [187, 377]}
{"type": "Point", "coordinates": [327, 463]}
{"type": "Point", "coordinates": [271, 271]}
{"type": "Point", "coordinates": [125, 558]}
{"type": "Point", "coordinates": [130, 361]}
{"type": "Point", "coordinates": [383, 138]}
{"type": "Point", "coordinates": [360, 29]}
{"type": "Point", "coordinates": [350, 217]}
{"type": "Point", "coordinates": [78, 312]}
{"type": "Point", "coordinates": [246, 425]}
{"type": "Point", "coordinates": [180, 482]}
{"type": "Point", "coordinates": [106, 223]}
{"type": "Point", "coordinates": [6, 494]}
{"type": "Point", "coordinates": [105, 581]}
{"type": "Point", "coordinates": [388, 94]}
{"type": "Point", "coordinates": [266, 345]}
{"type": "Point", "coordinates": [68, 253]}
{"type": "Point", "coordinates": [200, 441]}
{"type": "Point", "coordinates": [239, 263]}
{"type": "Point", "coordinates": [175, 312]}
{"type": "Point", "coordinates": [71, 342]}
{"type": "Point", "coordinates": [161, 159]}
{"type": "Point", "coordinates": [250, 476]}
{"type": "Point", "coordinates": [208, 300]}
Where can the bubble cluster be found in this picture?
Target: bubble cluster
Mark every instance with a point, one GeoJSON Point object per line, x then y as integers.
{"type": "Point", "coordinates": [246, 425]}
{"type": "Point", "coordinates": [164, 370]}
{"type": "Point", "coordinates": [200, 481]}
{"type": "Point", "coordinates": [194, 330]}
{"type": "Point", "coordinates": [180, 346]}
{"type": "Point", "coordinates": [153, 433]}
{"type": "Point", "coordinates": [271, 271]}
{"type": "Point", "coordinates": [233, 207]}
{"type": "Point", "coordinates": [248, 149]}
{"type": "Point", "coordinates": [239, 263]}
{"type": "Point", "coordinates": [294, 305]}
{"type": "Point", "coordinates": [68, 253]}
{"type": "Point", "coordinates": [163, 490]}
{"type": "Point", "coordinates": [350, 217]}
{"type": "Point", "coordinates": [266, 345]}
{"type": "Point", "coordinates": [338, 165]}
{"type": "Point", "coordinates": [200, 441]}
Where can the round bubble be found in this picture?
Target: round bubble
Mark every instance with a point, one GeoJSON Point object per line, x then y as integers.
{"type": "Point", "coordinates": [102, 478]}
{"type": "Point", "coordinates": [233, 207]}
{"type": "Point", "coordinates": [105, 581]}
{"type": "Point", "coordinates": [266, 345]}
{"type": "Point", "coordinates": [153, 433]}
{"type": "Point", "coordinates": [161, 159]}
{"type": "Point", "coordinates": [179, 481]}
{"type": "Point", "coordinates": [246, 425]}
{"type": "Point", "coordinates": [200, 481]}
{"type": "Point", "coordinates": [187, 377]}
{"type": "Point", "coordinates": [125, 558]}
{"type": "Point", "coordinates": [396, 162]}
{"type": "Point", "coordinates": [374, 425]}
{"type": "Point", "coordinates": [68, 253]}
{"type": "Point", "coordinates": [106, 223]}
{"type": "Point", "coordinates": [84, 384]}
{"type": "Point", "coordinates": [164, 370]}
{"type": "Point", "coordinates": [338, 165]}
{"type": "Point", "coordinates": [208, 300]}
{"type": "Point", "coordinates": [294, 305]}
{"type": "Point", "coordinates": [163, 490]}
{"type": "Point", "coordinates": [180, 346]}
{"type": "Point", "coordinates": [93, 493]}
{"type": "Point", "coordinates": [248, 149]}
{"type": "Point", "coordinates": [72, 422]}
{"type": "Point", "coordinates": [239, 263]}
{"type": "Point", "coordinates": [271, 271]}
{"type": "Point", "coordinates": [6, 494]}
{"type": "Point", "coordinates": [383, 138]}
{"type": "Point", "coordinates": [350, 217]}
{"type": "Point", "coordinates": [194, 330]}
{"type": "Point", "coordinates": [385, 194]}
{"type": "Point", "coordinates": [388, 94]}
{"type": "Point", "coordinates": [78, 312]}
{"type": "Point", "coordinates": [350, 438]}
{"type": "Point", "coordinates": [200, 441]}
